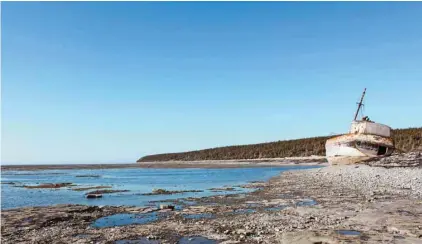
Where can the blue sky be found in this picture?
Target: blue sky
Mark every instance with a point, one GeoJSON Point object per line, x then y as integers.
{"type": "Point", "coordinates": [92, 82]}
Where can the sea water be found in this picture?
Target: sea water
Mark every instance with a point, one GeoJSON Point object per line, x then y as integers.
{"type": "Point", "coordinates": [136, 180]}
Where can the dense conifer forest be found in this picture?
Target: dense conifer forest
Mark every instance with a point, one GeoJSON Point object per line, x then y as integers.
{"type": "Point", "coordinates": [405, 140]}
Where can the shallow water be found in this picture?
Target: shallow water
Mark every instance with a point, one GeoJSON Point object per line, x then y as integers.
{"type": "Point", "coordinates": [137, 181]}
{"type": "Point", "coordinates": [189, 203]}
{"type": "Point", "coordinates": [348, 232]}
{"type": "Point", "coordinates": [124, 219]}
{"type": "Point", "coordinates": [244, 211]}
{"type": "Point", "coordinates": [196, 240]}
{"type": "Point", "coordinates": [309, 202]}
{"type": "Point", "coordinates": [198, 216]}
{"type": "Point", "coordinates": [141, 240]}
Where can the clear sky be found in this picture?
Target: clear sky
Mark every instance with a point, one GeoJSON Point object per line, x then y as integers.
{"type": "Point", "coordinates": [92, 82]}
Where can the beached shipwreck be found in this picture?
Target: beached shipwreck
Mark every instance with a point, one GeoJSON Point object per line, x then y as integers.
{"type": "Point", "coordinates": [365, 140]}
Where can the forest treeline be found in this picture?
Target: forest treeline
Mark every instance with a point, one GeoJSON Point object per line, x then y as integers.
{"type": "Point", "coordinates": [405, 140]}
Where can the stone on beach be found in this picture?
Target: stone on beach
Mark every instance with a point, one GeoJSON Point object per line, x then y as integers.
{"type": "Point", "coordinates": [375, 180]}
{"type": "Point", "coordinates": [411, 159]}
{"type": "Point", "coordinates": [94, 195]}
{"type": "Point", "coordinates": [167, 206]}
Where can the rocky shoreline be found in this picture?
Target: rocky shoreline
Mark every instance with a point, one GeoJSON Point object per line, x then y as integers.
{"type": "Point", "coordinates": [343, 204]}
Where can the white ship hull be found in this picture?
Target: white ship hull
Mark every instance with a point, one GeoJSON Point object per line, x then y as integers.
{"type": "Point", "coordinates": [358, 146]}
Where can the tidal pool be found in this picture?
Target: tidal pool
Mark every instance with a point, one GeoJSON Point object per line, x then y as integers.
{"type": "Point", "coordinates": [125, 219]}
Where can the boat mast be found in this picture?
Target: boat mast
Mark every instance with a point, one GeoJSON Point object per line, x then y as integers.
{"type": "Point", "coordinates": [360, 104]}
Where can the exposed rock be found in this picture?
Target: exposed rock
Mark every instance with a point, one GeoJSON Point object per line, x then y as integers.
{"type": "Point", "coordinates": [198, 210]}
{"type": "Point", "coordinates": [90, 188]}
{"type": "Point", "coordinates": [306, 237]}
{"type": "Point", "coordinates": [94, 195]}
{"type": "Point", "coordinates": [105, 192]}
{"type": "Point", "coordinates": [48, 185]}
{"type": "Point", "coordinates": [222, 189]}
{"type": "Point", "coordinates": [166, 206]}
{"type": "Point", "coordinates": [411, 159]}
{"type": "Point", "coordinates": [167, 192]}
{"type": "Point", "coordinates": [256, 184]}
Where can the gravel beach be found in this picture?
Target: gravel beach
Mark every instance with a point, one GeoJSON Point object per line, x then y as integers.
{"type": "Point", "coordinates": [340, 204]}
{"type": "Point", "coordinates": [370, 181]}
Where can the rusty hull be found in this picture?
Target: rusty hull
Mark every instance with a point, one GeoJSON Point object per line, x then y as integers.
{"type": "Point", "coordinates": [355, 148]}
{"type": "Point", "coordinates": [351, 138]}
